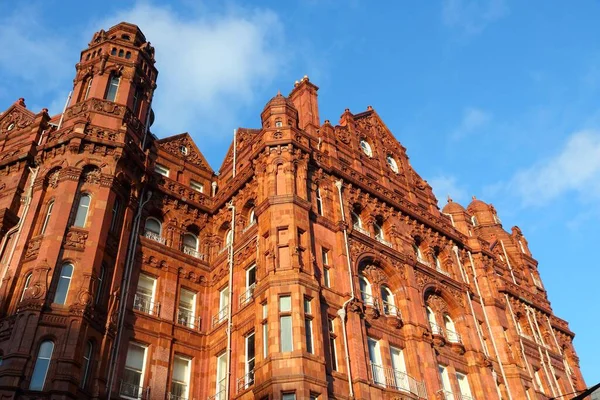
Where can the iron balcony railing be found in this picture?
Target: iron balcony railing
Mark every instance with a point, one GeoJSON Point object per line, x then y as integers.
{"type": "Point", "coordinates": [362, 230]}
{"type": "Point", "coordinates": [247, 295]}
{"type": "Point", "coordinates": [171, 396]}
{"type": "Point", "coordinates": [133, 391]}
{"type": "Point", "coordinates": [220, 316]}
{"type": "Point", "coordinates": [436, 329]}
{"type": "Point", "coordinates": [245, 381]}
{"type": "Point", "coordinates": [178, 391]}
{"type": "Point", "coordinates": [383, 241]}
{"type": "Point", "coordinates": [187, 318]}
{"type": "Point", "coordinates": [190, 251]}
{"type": "Point", "coordinates": [368, 299]}
{"type": "Point", "coordinates": [220, 394]}
{"type": "Point", "coordinates": [248, 227]}
{"type": "Point", "coordinates": [390, 309]}
{"type": "Point", "coordinates": [453, 337]}
{"type": "Point", "coordinates": [145, 304]}
{"type": "Point", "coordinates": [397, 380]}
{"type": "Point", "coordinates": [224, 248]}
{"type": "Point", "coordinates": [154, 236]}
{"type": "Point", "coordinates": [448, 395]}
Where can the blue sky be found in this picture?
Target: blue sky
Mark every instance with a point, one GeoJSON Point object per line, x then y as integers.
{"type": "Point", "coordinates": [493, 98]}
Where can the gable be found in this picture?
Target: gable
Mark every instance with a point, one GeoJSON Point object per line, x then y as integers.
{"type": "Point", "coordinates": [175, 145]}
{"type": "Point", "coordinates": [16, 117]}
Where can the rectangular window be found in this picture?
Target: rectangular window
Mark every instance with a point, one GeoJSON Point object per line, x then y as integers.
{"type": "Point", "coordinates": [332, 349]}
{"type": "Point", "coordinates": [265, 330]}
{"type": "Point", "coordinates": [307, 305]}
{"type": "Point", "coordinates": [144, 296]}
{"type": "Point", "coordinates": [325, 256]}
{"type": "Point", "coordinates": [250, 360]}
{"type": "Point", "coordinates": [326, 278]}
{"type": "Point", "coordinates": [446, 387]}
{"type": "Point", "coordinates": [319, 202]}
{"type": "Point", "coordinates": [399, 367]}
{"type": "Point", "coordinates": [221, 377]}
{"type": "Point", "coordinates": [288, 396]}
{"type": "Point", "coordinates": [161, 169]}
{"type": "Point", "coordinates": [112, 88]}
{"type": "Point", "coordinates": [133, 374]}
{"type": "Point", "coordinates": [285, 324]}
{"type": "Point", "coordinates": [463, 385]}
{"type": "Point", "coordinates": [114, 217]}
{"type": "Point", "coordinates": [538, 380]}
{"type": "Point", "coordinates": [180, 383]}
{"type": "Point", "coordinates": [376, 364]}
{"type": "Point", "coordinates": [197, 186]}
{"type": "Point", "coordinates": [223, 306]}
{"type": "Point", "coordinates": [186, 314]}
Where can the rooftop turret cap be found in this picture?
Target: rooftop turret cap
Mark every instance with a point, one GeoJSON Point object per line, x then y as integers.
{"type": "Point", "coordinates": [279, 100]}
{"type": "Point", "coordinates": [478, 205]}
{"type": "Point", "coordinates": [452, 207]}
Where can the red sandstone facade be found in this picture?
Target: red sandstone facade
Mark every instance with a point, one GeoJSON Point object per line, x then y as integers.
{"type": "Point", "coordinates": [125, 259]}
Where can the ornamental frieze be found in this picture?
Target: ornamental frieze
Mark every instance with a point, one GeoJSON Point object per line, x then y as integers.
{"type": "Point", "coordinates": [33, 248]}
{"type": "Point", "coordinates": [175, 147]}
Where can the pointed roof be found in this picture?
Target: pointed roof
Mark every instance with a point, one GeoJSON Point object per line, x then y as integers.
{"type": "Point", "coordinates": [16, 116]}
{"type": "Point", "coordinates": [243, 137]}
{"type": "Point", "coordinates": [175, 145]}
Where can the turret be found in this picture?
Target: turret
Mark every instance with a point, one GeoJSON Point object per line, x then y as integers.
{"type": "Point", "coordinates": [279, 112]}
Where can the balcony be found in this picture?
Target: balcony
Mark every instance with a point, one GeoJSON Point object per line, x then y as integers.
{"type": "Point", "coordinates": [187, 318]}
{"type": "Point", "coordinates": [368, 299]}
{"type": "Point", "coordinates": [154, 236]}
{"type": "Point", "coordinates": [362, 230]}
{"type": "Point", "coordinates": [248, 227]}
{"type": "Point", "coordinates": [391, 310]}
{"type": "Point", "coordinates": [190, 251]}
{"type": "Point", "coordinates": [397, 380]}
{"type": "Point", "coordinates": [436, 329]}
{"type": "Point", "coordinates": [245, 381]}
{"type": "Point", "coordinates": [171, 396]}
{"type": "Point", "coordinates": [453, 337]}
{"type": "Point", "coordinates": [131, 390]}
{"type": "Point", "coordinates": [220, 395]}
{"type": "Point", "coordinates": [383, 241]}
{"type": "Point", "coordinates": [224, 249]}
{"type": "Point", "coordinates": [247, 295]}
{"type": "Point", "coordinates": [220, 316]}
{"type": "Point", "coordinates": [448, 395]}
{"type": "Point", "coordinates": [145, 304]}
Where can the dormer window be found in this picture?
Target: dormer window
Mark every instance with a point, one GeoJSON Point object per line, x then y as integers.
{"type": "Point", "coordinates": [392, 163]}
{"type": "Point", "coordinates": [366, 147]}
{"type": "Point", "coordinates": [161, 169]}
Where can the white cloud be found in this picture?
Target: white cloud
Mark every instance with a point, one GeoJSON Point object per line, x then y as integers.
{"type": "Point", "coordinates": [210, 65]}
{"type": "Point", "coordinates": [472, 16]}
{"type": "Point", "coordinates": [575, 169]}
{"type": "Point", "coordinates": [472, 120]}
{"type": "Point", "coordinates": [444, 186]}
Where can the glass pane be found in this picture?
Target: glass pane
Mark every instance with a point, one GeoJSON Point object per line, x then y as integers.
{"type": "Point", "coordinates": [285, 304]}
{"type": "Point", "coordinates": [82, 210]}
{"type": "Point", "coordinates": [251, 276]}
{"type": "Point", "coordinates": [308, 332]}
{"type": "Point", "coordinates": [38, 377]}
{"type": "Point", "coordinates": [135, 357]}
{"type": "Point", "coordinates": [180, 369]}
{"type": "Point", "coordinates": [285, 326]}
{"type": "Point", "coordinates": [64, 281]}
{"type": "Point", "coordinates": [250, 349]}
{"type": "Point", "coordinates": [187, 299]}
{"type": "Point", "coordinates": [289, 396]}
{"type": "Point", "coordinates": [153, 225]}
{"type": "Point", "coordinates": [190, 240]}
{"type": "Point", "coordinates": [307, 306]}
{"type": "Point", "coordinates": [145, 285]}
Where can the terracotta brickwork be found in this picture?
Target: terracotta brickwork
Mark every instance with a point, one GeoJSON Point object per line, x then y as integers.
{"type": "Point", "coordinates": [316, 262]}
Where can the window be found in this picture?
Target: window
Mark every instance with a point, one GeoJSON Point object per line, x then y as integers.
{"type": "Point", "coordinates": [376, 364]}
{"type": "Point", "coordinates": [326, 277]}
{"type": "Point", "coordinates": [47, 217]}
{"type": "Point", "coordinates": [399, 367]}
{"type": "Point", "coordinates": [249, 361]}
{"type": "Point", "coordinates": [522, 247]}
{"type": "Point", "coordinates": [229, 238]}
{"type": "Point", "coordinates": [474, 220]}
{"type": "Point", "coordinates": [42, 363]}
{"type": "Point", "coordinates": [26, 286]}
{"type": "Point", "coordinates": [115, 215]}
{"type": "Point", "coordinates": [82, 210]}
{"type": "Point", "coordinates": [223, 306]}
{"type": "Point", "coordinates": [133, 374]}
{"type": "Point", "coordinates": [278, 124]}
{"type": "Point", "coordinates": [144, 296]}
{"type": "Point", "coordinates": [365, 291]}
{"type": "Point", "coordinates": [319, 202]}
{"type": "Point", "coordinates": [366, 147]}
{"type": "Point", "coordinates": [250, 285]}
{"type": "Point", "coordinates": [387, 298]}
{"type": "Point", "coordinates": [186, 314]}
{"type": "Point", "coordinates": [356, 221]}
{"type": "Point", "coordinates": [332, 350]}
{"type": "Point", "coordinates": [64, 281]}
{"type": "Point", "coordinates": [538, 380]}
{"type": "Point", "coordinates": [445, 382]}
{"type": "Point", "coordinates": [180, 382]}
{"type": "Point", "coordinates": [112, 88]}
{"type": "Point", "coordinates": [190, 244]}
{"type": "Point", "coordinates": [153, 229]}
{"type": "Point", "coordinates": [378, 231]}
{"type": "Point", "coordinates": [88, 87]}
{"type": "Point", "coordinates": [161, 169]}
{"type": "Point", "coordinates": [288, 396]}
{"type": "Point", "coordinates": [197, 186]}
{"type": "Point", "coordinates": [184, 150]}
{"type": "Point", "coordinates": [432, 322]}
{"type": "Point", "coordinates": [308, 325]}
{"type": "Point", "coordinates": [392, 163]}
{"type": "Point", "coordinates": [265, 330]}
{"type": "Point", "coordinates": [418, 253]}
{"type": "Point", "coordinates": [100, 287]}
{"type": "Point", "coordinates": [463, 385]}
{"type": "Point", "coordinates": [221, 377]}
{"type": "Point", "coordinates": [451, 334]}
{"type": "Point", "coordinates": [325, 256]}
{"type": "Point", "coordinates": [137, 95]}
{"type": "Point", "coordinates": [285, 324]}
{"type": "Point", "coordinates": [251, 217]}
{"type": "Point", "coordinates": [85, 368]}
{"type": "Point", "coordinates": [438, 264]}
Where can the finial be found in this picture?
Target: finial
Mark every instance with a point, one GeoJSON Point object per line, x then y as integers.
{"type": "Point", "coordinates": [473, 198]}
{"type": "Point", "coordinates": [21, 102]}
{"type": "Point", "coordinates": [449, 199]}
{"type": "Point", "coordinates": [305, 78]}
{"type": "Point", "coordinates": [296, 83]}
{"type": "Point", "coordinates": [370, 108]}
{"type": "Point", "coordinates": [347, 110]}
{"type": "Point", "coordinates": [278, 92]}
{"type": "Point", "coordinates": [326, 122]}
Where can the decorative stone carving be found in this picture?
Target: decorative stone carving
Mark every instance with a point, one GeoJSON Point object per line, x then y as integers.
{"type": "Point", "coordinates": [75, 239]}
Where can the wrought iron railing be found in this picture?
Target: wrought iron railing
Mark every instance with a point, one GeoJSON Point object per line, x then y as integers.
{"type": "Point", "coordinates": [145, 304]}
{"type": "Point", "coordinates": [249, 226]}
{"type": "Point", "coordinates": [247, 295]}
{"type": "Point", "coordinates": [368, 299]}
{"type": "Point", "coordinates": [453, 337]}
{"type": "Point", "coordinates": [220, 394]}
{"type": "Point", "coordinates": [224, 248]}
{"type": "Point", "coordinates": [383, 241]}
{"type": "Point", "coordinates": [154, 236]}
{"type": "Point", "coordinates": [133, 391]}
{"type": "Point", "coordinates": [397, 380]}
{"type": "Point", "coordinates": [441, 271]}
{"type": "Point", "coordinates": [190, 251]}
{"type": "Point", "coordinates": [187, 318]}
{"type": "Point", "coordinates": [390, 309]}
{"type": "Point", "coordinates": [220, 316]}
{"type": "Point", "coordinates": [245, 381]}
{"type": "Point", "coordinates": [436, 329]}
{"type": "Point", "coordinates": [362, 230]}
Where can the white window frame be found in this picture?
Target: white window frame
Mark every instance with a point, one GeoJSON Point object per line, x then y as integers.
{"type": "Point", "coordinates": [376, 362]}
{"type": "Point", "coordinates": [197, 186]}
{"type": "Point", "coordinates": [399, 368]}
{"type": "Point", "coordinates": [319, 201]}
{"type": "Point", "coordinates": [47, 217]}
{"type": "Point", "coordinates": [152, 296]}
{"type": "Point", "coordinates": [26, 285]}
{"type": "Point", "coordinates": [391, 161]}
{"type": "Point", "coordinates": [142, 371]}
{"type": "Point", "coordinates": [366, 148]}
{"type": "Point", "coordinates": [192, 322]}
{"type": "Point", "coordinates": [286, 315]}
{"type": "Point", "coordinates": [110, 85]}
{"type": "Point", "coordinates": [161, 170]}
{"type": "Point", "coordinates": [221, 376]}
{"type": "Point", "coordinates": [388, 299]}
{"type": "Point", "coordinates": [82, 209]}
{"type": "Point", "coordinates": [463, 386]}
{"type": "Point", "coordinates": [70, 279]}
{"type": "Point", "coordinates": [247, 361]}
{"type": "Point", "coordinates": [365, 289]}
{"type": "Point", "coordinates": [444, 378]}
{"type": "Point", "coordinates": [187, 375]}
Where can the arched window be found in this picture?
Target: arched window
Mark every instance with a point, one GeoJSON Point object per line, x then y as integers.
{"type": "Point", "coordinates": [86, 85]}
{"type": "Point", "coordinates": [366, 147]}
{"type": "Point", "coordinates": [64, 281]}
{"type": "Point", "coordinates": [387, 298]}
{"type": "Point", "coordinates": [85, 368]}
{"type": "Point", "coordinates": [121, 53]}
{"type": "Point", "coordinates": [82, 210]}
{"type": "Point", "coordinates": [438, 263]}
{"type": "Point", "coordinates": [190, 243]}
{"type": "Point", "coordinates": [378, 231]}
{"type": "Point", "coordinates": [392, 163]}
{"type": "Point", "coordinates": [113, 52]}
{"type": "Point", "coordinates": [432, 322]}
{"type": "Point", "coordinates": [474, 220]}
{"type": "Point", "coordinates": [251, 217]}
{"type": "Point", "coordinates": [26, 286]}
{"type": "Point", "coordinates": [153, 225]}
{"type": "Point", "coordinates": [42, 363]}
{"type": "Point", "coordinates": [47, 217]}
{"type": "Point", "coordinates": [451, 333]}
{"type": "Point", "coordinates": [418, 252]}
{"type": "Point", "coordinates": [356, 221]}
{"type": "Point", "coordinates": [229, 237]}
{"type": "Point", "coordinates": [100, 283]}
{"type": "Point", "coordinates": [116, 208]}
{"type": "Point", "coordinates": [365, 290]}
{"type": "Point", "coordinates": [319, 202]}
{"type": "Point", "coordinates": [112, 88]}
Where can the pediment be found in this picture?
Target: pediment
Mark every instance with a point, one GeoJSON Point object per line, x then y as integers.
{"type": "Point", "coordinates": [16, 117]}
{"type": "Point", "coordinates": [182, 146]}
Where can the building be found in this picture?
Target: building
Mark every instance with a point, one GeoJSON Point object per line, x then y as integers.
{"type": "Point", "coordinates": [125, 258]}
